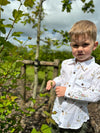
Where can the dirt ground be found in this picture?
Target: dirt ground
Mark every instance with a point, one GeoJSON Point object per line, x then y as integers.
{"type": "Point", "coordinates": [94, 112]}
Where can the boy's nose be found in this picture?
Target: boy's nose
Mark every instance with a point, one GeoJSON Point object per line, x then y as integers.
{"type": "Point", "coordinates": [80, 48]}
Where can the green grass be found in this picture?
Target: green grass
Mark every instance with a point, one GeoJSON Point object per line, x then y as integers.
{"type": "Point", "coordinates": [41, 73]}
{"type": "Point", "coordinates": [29, 73]}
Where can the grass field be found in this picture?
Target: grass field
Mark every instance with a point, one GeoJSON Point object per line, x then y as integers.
{"type": "Point", "coordinates": [41, 73]}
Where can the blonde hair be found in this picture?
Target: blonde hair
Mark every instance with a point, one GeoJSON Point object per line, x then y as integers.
{"type": "Point", "coordinates": [84, 27]}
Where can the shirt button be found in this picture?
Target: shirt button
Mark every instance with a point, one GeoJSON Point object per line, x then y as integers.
{"type": "Point", "coordinates": [62, 112]}
{"type": "Point", "coordinates": [73, 72]}
{"type": "Point", "coordinates": [68, 94]}
{"type": "Point", "coordinates": [82, 84]}
{"type": "Point", "coordinates": [65, 98]}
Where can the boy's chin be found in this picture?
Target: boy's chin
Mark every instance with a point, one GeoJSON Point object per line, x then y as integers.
{"type": "Point", "coordinates": [83, 59]}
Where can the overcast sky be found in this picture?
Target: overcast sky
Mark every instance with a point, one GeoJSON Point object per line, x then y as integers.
{"type": "Point", "coordinates": [55, 18]}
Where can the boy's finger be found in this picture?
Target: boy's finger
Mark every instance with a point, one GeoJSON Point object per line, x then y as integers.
{"type": "Point", "coordinates": [48, 87]}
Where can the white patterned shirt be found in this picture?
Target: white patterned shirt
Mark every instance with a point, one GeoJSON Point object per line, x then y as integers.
{"type": "Point", "coordinates": [82, 82]}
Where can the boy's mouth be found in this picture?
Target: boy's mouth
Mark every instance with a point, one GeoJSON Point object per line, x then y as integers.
{"type": "Point", "coordinates": [80, 54]}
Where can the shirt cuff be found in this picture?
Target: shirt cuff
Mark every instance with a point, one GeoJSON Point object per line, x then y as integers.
{"type": "Point", "coordinates": [67, 93]}
{"type": "Point", "coordinates": [57, 83]}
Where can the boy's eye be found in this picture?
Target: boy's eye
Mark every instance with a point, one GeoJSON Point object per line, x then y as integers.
{"type": "Point", "coordinates": [75, 45]}
{"type": "Point", "coordinates": [85, 44]}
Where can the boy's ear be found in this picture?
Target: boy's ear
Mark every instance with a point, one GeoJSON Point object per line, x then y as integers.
{"type": "Point", "coordinates": [95, 45]}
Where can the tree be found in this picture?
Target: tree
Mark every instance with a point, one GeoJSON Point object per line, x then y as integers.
{"type": "Point", "coordinates": [36, 64]}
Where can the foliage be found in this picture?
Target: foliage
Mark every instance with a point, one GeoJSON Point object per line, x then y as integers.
{"type": "Point", "coordinates": [9, 121]}
{"type": "Point", "coordinates": [96, 54]}
{"type": "Point", "coordinates": [66, 5]}
{"type": "Point", "coordinates": [10, 112]}
{"type": "Point", "coordinates": [48, 54]}
{"type": "Point", "coordinates": [44, 129]}
{"type": "Point", "coordinates": [4, 2]}
{"type": "Point", "coordinates": [87, 7]}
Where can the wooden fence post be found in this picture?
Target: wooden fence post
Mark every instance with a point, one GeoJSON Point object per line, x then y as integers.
{"type": "Point", "coordinates": [23, 76]}
{"type": "Point", "coordinates": [52, 91]}
{"type": "Point", "coordinates": [54, 64]}
{"type": "Point", "coordinates": [56, 61]}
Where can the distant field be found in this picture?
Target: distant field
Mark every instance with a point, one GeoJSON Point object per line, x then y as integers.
{"type": "Point", "coordinates": [41, 73]}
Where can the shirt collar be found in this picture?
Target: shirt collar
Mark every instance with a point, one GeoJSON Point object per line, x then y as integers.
{"type": "Point", "coordinates": [71, 61]}
{"type": "Point", "coordinates": [84, 65]}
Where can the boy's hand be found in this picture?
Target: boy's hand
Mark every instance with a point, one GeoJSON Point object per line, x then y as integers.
{"type": "Point", "coordinates": [60, 91]}
{"type": "Point", "coordinates": [50, 84]}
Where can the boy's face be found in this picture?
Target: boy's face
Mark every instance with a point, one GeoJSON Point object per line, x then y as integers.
{"type": "Point", "coordinates": [82, 47]}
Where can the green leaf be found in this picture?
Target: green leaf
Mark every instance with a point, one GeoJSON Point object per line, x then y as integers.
{"type": "Point", "coordinates": [50, 120]}
{"type": "Point", "coordinates": [29, 38]}
{"type": "Point", "coordinates": [17, 15]}
{"type": "Point", "coordinates": [2, 28]}
{"type": "Point", "coordinates": [45, 29]}
{"type": "Point", "coordinates": [66, 5]}
{"type": "Point", "coordinates": [18, 40]}
{"type": "Point", "coordinates": [2, 41]}
{"type": "Point", "coordinates": [1, 105]}
{"type": "Point", "coordinates": [13, 98]}
{"type": "Point", "coordinates": [7, 26]}
{"type": "Point", "coordinates": [11, 19]}
{"type": "Point", "coordinates": [45, 129]}
{"type": "Point", "coordinates": [91, 10]}
{"type": "Point", "coordinates": [1, 21]}
{"type": "Point", "coordinates": [35, 131]}
{"type": "Point", "coordinates": [31, 109]}
{"type": "Point", "coordinates": [29, 3]}
{"type": "Point", "coordinates": [46, 113]}
{"type": "Point", "coordinates": [83, 1]}
{"type": "Point", "coordinates": [4, 2]}
{"type": "Point", "coordinates": [33, 100]}
{"type": "Point", "coordinates": [1, 9]}
{"type": "Point", "coordinates": [17, 34]}
{"type": "Point", "coordinates": [12, 131]}
{"type": "Point", "coordinates": [2, 117]}
{"type": "Point", "coordinates": [44, 95]}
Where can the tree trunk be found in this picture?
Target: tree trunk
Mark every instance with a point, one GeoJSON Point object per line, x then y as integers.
{"type": "Point", "coordinates": [36, 63]}
{"type": "Point", "coordinates": [23, 75]}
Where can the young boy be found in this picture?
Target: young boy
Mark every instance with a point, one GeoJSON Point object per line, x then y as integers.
{"type": "Point", "coordinates": [79, 81]}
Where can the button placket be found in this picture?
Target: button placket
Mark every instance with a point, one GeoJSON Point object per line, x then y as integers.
{"type": "Point", "coordinates": [71, 81]}
{"type": "Point", "coordinates": [73, 77]}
